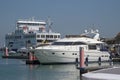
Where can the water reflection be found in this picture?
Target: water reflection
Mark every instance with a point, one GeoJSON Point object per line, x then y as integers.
{"type": "Point", "coordinates": [12, 69]}
{"type": "Point", "coordinates": [54, 72]}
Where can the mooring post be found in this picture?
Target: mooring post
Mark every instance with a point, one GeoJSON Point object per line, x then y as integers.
{"type": "Point", "coordinates": [81, 57]}
{"type": "Point", "coordinates": [6, 51]}
{"type": "Point", "coordinates": [30, 56]}
{"type": "Point", "coordinates": [34, 57]}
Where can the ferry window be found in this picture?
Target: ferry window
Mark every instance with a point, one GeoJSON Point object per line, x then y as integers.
{"type": "Point", "coordinates": [42, 36]}
{"type": "Point", "coordinates": [39, 40]}
{"type": "Point", "coordinates": [28, 41]}
{"type": "Point", "coordinates": [51, 36]}
{"type": "Point", "coordinates": [50, 40]}
{"type": "Point", "coordinates": [47, 36]}
{"type": "Point", "coordinates": [17, 37]}
{"type": "Point", "coordinates": [33, 36]}
{"type": "Point", "coordinates": [10, 42]}
{"type": "Point", "coordinates": [58, 36]}
{"type": "Point", "coordinates": [92, 47]}
{"type": "Point", "coordinates": [38, 36]}
{"type": "Point", "coordinates": [55, 36]}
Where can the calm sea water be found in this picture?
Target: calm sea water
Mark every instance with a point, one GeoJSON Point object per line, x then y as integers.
{"type": "Point", "coordinates": [15, 69]}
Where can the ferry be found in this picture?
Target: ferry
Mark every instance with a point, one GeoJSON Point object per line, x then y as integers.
{"type": "Point", "coordinates": [30, 33]}
{"type": "Point", "coordinates": [66, 50]}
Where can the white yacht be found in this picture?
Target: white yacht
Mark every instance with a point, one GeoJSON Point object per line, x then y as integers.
{"type": "Point", "coordinates": [66, 50]}
{"type": "Point", "coordinates": [29, 33]}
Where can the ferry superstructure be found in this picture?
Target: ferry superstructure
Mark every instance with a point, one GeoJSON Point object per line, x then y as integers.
{"type": "Point", "coordinates": [66, 50]}
{"type": "Point", "coordinates": [29, 33]}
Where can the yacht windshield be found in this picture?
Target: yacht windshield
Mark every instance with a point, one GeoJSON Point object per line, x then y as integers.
{"type": "Point", "coordinates": [102, 47]}
{"type": "Point", "coordinates": [68, 43]}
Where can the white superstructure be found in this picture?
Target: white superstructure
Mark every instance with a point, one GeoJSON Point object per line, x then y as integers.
{"type": "Point", "coordinates": [66, 50]}
{"type": "Point", "coordinates": [29, 33]}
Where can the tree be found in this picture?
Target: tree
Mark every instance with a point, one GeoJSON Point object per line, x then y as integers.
{"type": "Point", "coordinates": [117, 38]}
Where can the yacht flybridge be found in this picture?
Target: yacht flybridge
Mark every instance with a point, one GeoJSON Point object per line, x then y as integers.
{"type": "Point", "coordinates": [29, 33]}
{"type": "Point", "coordinates": [66, 50]}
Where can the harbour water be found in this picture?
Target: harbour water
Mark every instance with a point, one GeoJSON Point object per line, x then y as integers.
{"type": "Point", "coordinates": [15, 69]}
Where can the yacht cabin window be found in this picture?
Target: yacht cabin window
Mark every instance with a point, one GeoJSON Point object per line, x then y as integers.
{"type": "Point", "coordinates": [92, 47]}
{"type": "Point", "coordinates": [102, 47]}
{"type": "Point", "coordinates": [68, 43]}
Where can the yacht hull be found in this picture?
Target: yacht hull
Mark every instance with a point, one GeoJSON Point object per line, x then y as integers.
{"type": "Point", "coordinates": [66, 57]}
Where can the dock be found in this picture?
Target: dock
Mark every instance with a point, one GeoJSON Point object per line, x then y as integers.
{"type": "Point", "coordinates": [88, 66]}
{"type": "Point", "coordinates": [94, 67]}
{"type": "Point", "coordinates": [32, 59]}
{"type": "Point", "coordinates": [104, 74]}
{"type": "Point", "coordinates": [15, 57]}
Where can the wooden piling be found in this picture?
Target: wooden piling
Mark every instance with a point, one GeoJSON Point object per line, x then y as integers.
{"type": "Point", "coordinates": [81, 57]}
{"type": "Point", "coordinates": [6, 51]}
{"type": "Point", "coordinates": [32, 59]}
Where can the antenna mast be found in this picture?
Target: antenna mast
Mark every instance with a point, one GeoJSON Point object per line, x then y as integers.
{"type": "Point", "coordinates": [49, 24]}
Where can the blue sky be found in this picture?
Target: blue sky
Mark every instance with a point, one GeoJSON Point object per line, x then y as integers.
{"type": "Point", "coordinates": [68, 16]}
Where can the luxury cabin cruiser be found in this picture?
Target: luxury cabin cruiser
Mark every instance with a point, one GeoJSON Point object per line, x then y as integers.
{"type": "Point", "coordinates": [66, 50]}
